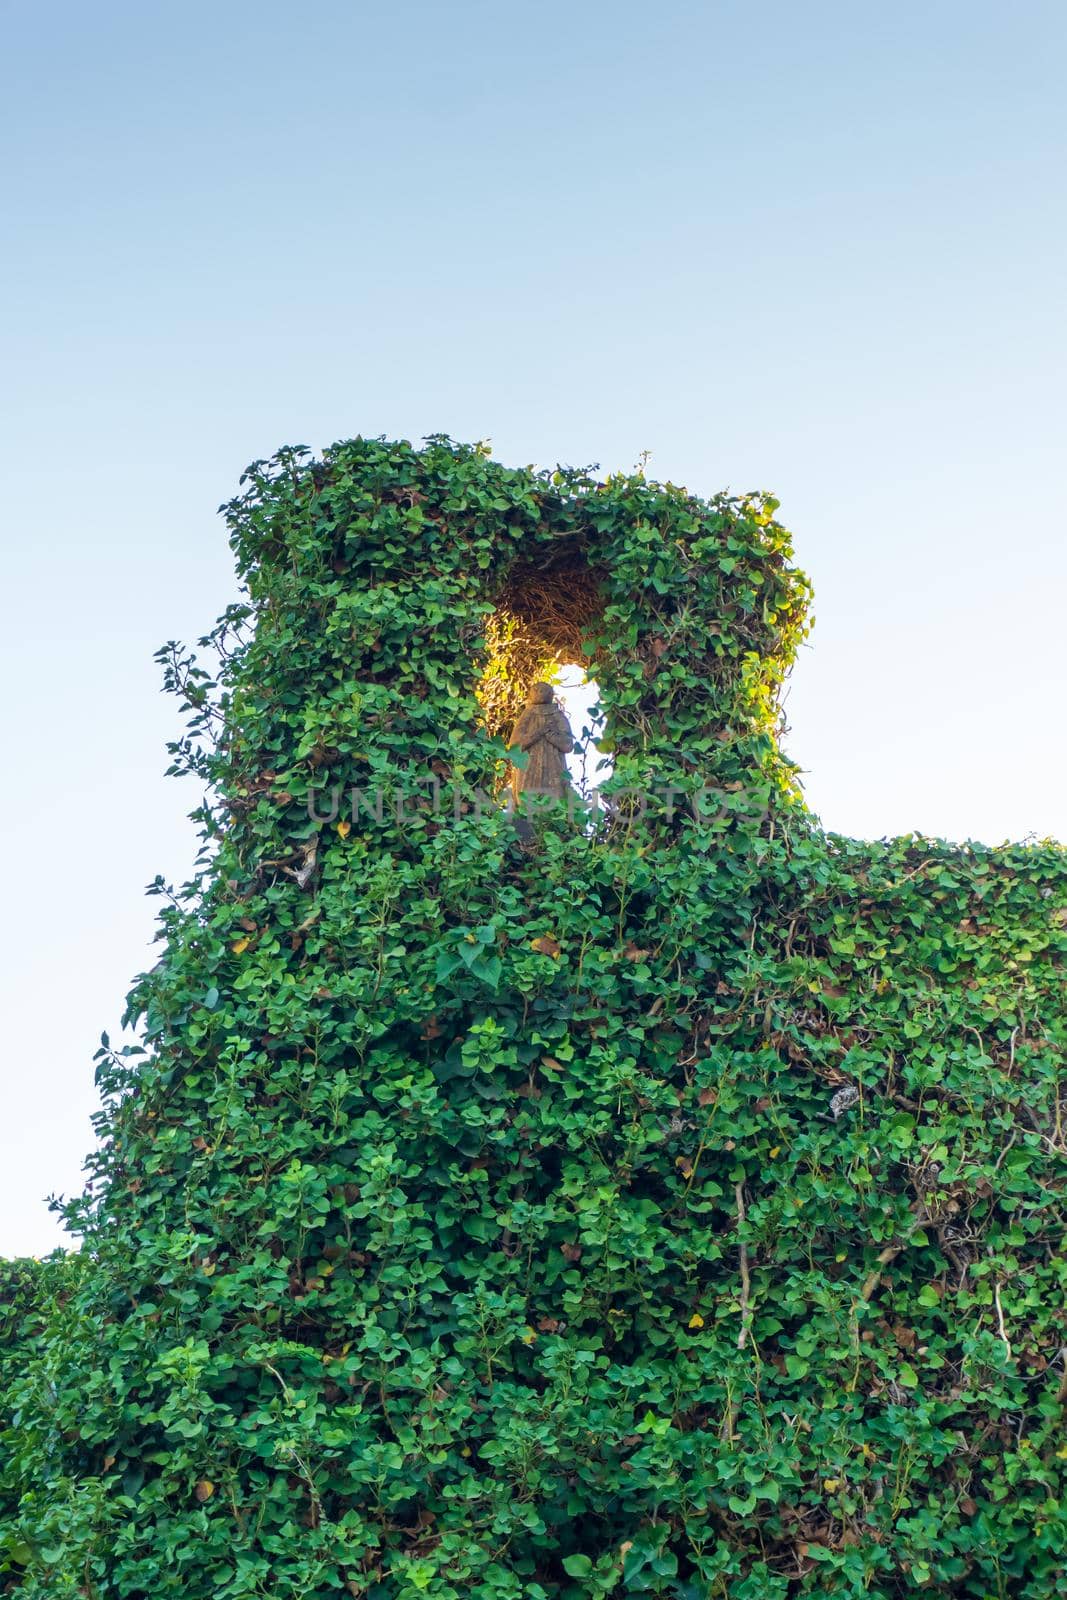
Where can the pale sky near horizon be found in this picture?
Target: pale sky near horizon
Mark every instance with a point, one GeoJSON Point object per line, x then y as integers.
{"type": "Point", "coordinates": [816, 249]}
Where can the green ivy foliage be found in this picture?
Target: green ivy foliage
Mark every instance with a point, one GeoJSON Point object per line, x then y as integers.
{"type": "Point", "coordinates": [47, 1482]}
{"type": "Point", "coordinates": [673, 1207]}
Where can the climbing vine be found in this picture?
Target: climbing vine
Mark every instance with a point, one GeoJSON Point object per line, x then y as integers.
{"type": "Point", "coordinates": [671, 1204]}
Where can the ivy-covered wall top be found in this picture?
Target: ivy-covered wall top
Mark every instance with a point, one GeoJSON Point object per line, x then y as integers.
{"type": "Point", "coordinates": [667, 1204]}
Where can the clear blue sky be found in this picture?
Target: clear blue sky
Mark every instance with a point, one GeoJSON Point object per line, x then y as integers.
{"type": "Point", "coordinates": [815, 248]}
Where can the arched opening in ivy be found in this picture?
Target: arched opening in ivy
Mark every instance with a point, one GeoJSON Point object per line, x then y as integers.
{"type": "Point", "coordinates": [546, 625]}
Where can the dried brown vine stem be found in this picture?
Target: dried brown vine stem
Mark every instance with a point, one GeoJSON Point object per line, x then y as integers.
{"type": "Point", "coordinates": [884, 1257]}
{"type": "Point", "coordinates": [1001, 1329]}
{"type": "Point", "coordinates": [726, 1427]}
{"type": "Point", "coordinates": [742, 1253]}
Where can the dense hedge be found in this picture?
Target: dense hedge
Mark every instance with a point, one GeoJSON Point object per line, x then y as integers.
{"type": "Point", "coordinates": [22, 1322]}
{"type": "Point", "coordinates": [672, 1208]}
{"type": "Point", "coordinates": [43, 1482]}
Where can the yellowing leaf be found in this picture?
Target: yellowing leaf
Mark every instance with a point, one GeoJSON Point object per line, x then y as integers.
{"type": "Point", "coordinates": [204, 1490]}
{"type": "Point", "coordinates": [696, 1320]}
{"type": "Point", "coordinates": [830, 1484]}
{"type": "Point", "coordinates": [241, 946]}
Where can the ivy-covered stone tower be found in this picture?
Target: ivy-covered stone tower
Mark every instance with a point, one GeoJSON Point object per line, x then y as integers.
{"type": "Point", "coordinates": [667, 1204]}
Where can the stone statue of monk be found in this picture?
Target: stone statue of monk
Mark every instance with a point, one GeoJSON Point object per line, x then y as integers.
{"type": "Point", "coordinates": [545, 734]}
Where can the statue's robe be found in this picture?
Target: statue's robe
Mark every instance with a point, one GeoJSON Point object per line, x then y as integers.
{"type": "Point", "coordinates": [544, 733]}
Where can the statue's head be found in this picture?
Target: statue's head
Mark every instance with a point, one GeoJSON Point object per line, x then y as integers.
{"type": "Point", "coordinates": [540, 695]}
